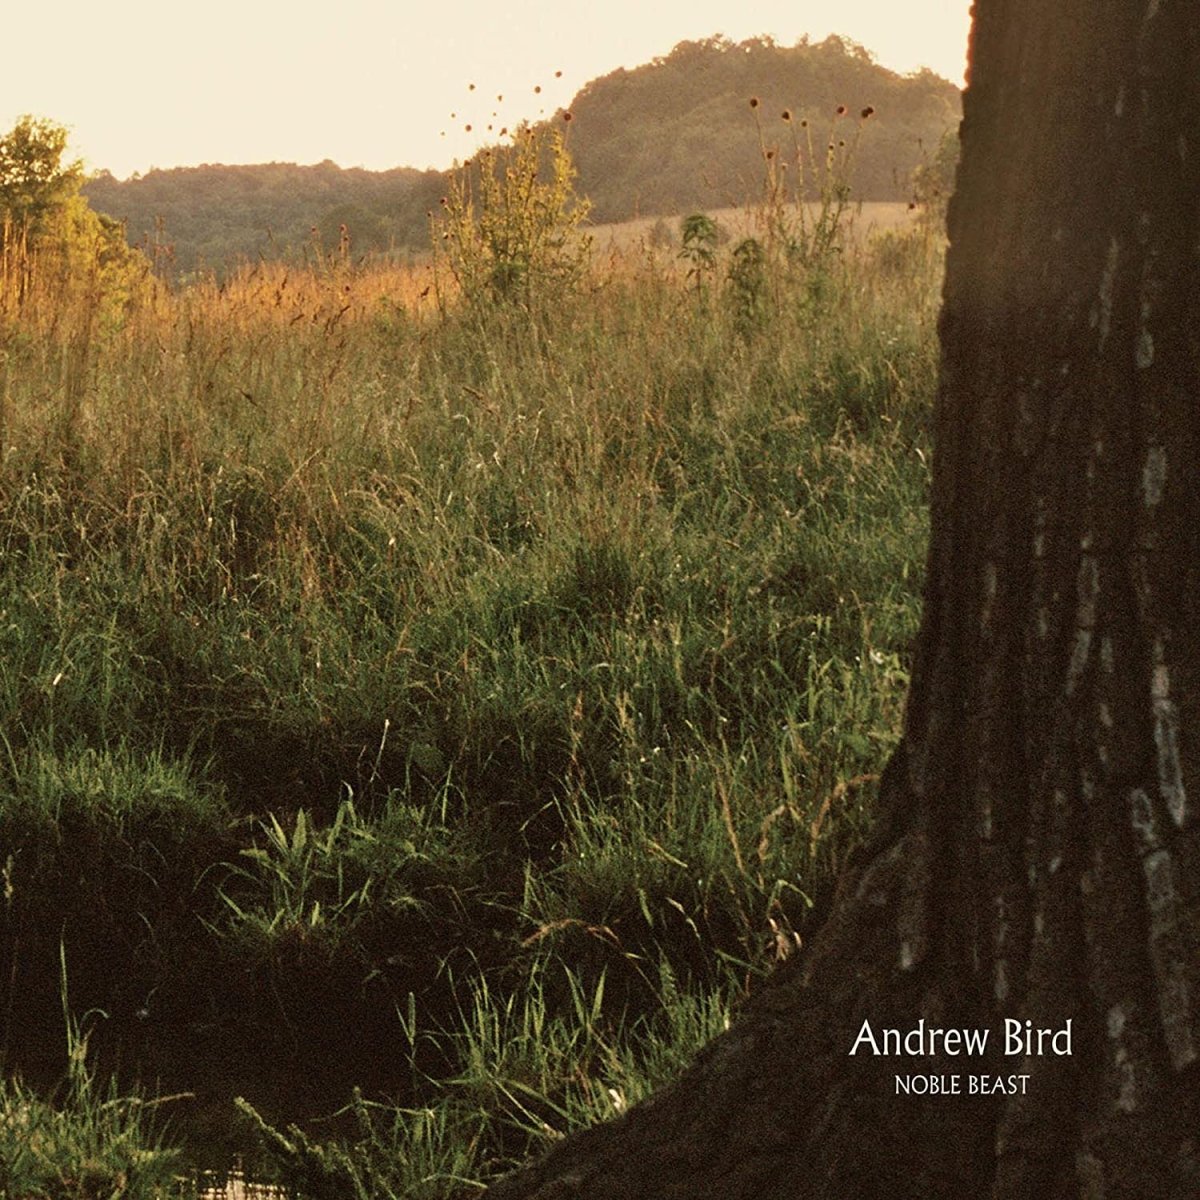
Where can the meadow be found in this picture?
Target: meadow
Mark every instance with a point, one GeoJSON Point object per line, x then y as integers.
{"type": "Point", "coordinates": [427, 706]}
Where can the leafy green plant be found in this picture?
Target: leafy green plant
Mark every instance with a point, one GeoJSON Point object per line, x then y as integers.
{"type": "Point", "coordinates": [699, 234]}
{"type": "Point", "coordinates": [393, 1153]}
{"type": "Point", "coordinates": [746, 283]}
{"type": "Point", "coordinates": [55, 251]}
{"type": "Point", "coordinates": [85, 1143]}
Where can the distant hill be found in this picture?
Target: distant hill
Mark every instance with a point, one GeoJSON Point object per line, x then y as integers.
{"type": "Point", "coordinates": [670, 137]}
{"type": "Point", "coordinates": [215, 215]}
{"type": "Point", "coordinates": [679, 134]}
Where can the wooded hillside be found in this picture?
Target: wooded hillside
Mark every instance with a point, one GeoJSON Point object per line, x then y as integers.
{"type": "Point", "coordinates": [672, 136]}
{"type": "Point", "coordinates": [679, 134]}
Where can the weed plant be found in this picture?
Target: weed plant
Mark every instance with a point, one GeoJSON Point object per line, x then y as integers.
{"type": "Point", "coordinates": [527, 646]}
{"type": "Point", "coordinates": [511, 227]}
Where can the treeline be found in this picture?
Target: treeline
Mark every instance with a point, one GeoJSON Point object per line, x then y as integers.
{"type": "Point", "coordinates": [213, 215]}
{"type": "Point", "coordinates": [670, 137]}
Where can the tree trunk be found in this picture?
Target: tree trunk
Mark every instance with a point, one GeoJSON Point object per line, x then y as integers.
{"type": "Point", "coordinates": [1038, 857]}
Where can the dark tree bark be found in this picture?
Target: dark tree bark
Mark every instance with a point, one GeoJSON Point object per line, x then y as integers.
{"type": "Point", "coordinates": [1038, 854]}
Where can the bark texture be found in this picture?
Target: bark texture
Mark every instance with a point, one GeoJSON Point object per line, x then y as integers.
{"type": "Point", "coordinates": [1038, 854]}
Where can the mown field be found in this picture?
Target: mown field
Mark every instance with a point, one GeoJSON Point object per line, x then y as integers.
{"type": "Point", "coordinates": [432, 706]}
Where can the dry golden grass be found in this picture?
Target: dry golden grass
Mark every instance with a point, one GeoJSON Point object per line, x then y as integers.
{"type": "Point", "coordinates": [863, 220]}
{"type": "Point", "coordinates": [279, 294]}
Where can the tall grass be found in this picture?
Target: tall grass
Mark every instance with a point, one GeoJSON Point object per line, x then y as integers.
{"type": "Point", "coordinates": [535, 667]}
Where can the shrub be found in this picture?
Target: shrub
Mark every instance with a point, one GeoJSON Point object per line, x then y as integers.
{"type": "Point", "coordinates": [510, 230]}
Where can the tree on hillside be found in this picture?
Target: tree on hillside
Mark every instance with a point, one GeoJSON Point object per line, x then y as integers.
{"type": "Point", "coordinates": [34, 180]}
{"type": "Point", "coordinates": [47, 229]}
{"type": "Point", "coordinates": [1037, 860]}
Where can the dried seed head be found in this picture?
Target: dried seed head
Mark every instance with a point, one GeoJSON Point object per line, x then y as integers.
{"type": "Point", "coordinates": [787, 114]}
{"type": "Point", "coordinates": [867, 112]}
{"type": "Point", "coordinates": [841, 110]}
{"type": "Point", "coordinates": [753, 101]}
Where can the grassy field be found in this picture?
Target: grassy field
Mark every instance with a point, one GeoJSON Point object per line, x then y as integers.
{"type": "Point", "coordinates": [431, 707]}
{"type": "Point", "coordinates": [862, 222]}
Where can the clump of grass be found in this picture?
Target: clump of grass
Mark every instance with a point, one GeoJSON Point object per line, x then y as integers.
{"type": "Point", "coordinates": [316, 888]}
{"type": "Point", "coordinates": [393, 1153]}
{"type": "Point", "coordinates": [85, 1141]}
{"type": "Point", "coordinates": [528, 1067]}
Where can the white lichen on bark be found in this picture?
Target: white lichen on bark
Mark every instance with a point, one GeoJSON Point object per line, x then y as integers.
{"type": "Point", "coordinates": [1127, 1093]}
{"type": "Point", "coordinates": [1154, 476]}
{"type": "Point", "coordinates": [1167, 941]}
{"type": "Point", "coordinates": [1166, 739]}
{"type": "Point", "coordinates": [1000, 939]}
{"type": "Point", "coordinates": [1087, 590]}
{"type": "Point", "coordinates": [989, 597]}
{"type": "Point", "coordinates": [1116, 1021]}
{"type": "Point", "coordinates": [1123, 1061]}
{"type": "Point", "coordinates": [1144, 353]}
{"type": "Point", "coordinates": [1102, 313]}
{"type": "Point", "coordinates": [1107, 660]}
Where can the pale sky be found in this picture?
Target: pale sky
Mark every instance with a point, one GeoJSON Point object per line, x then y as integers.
{"type": "Point", "coordinates": [144, 83]}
